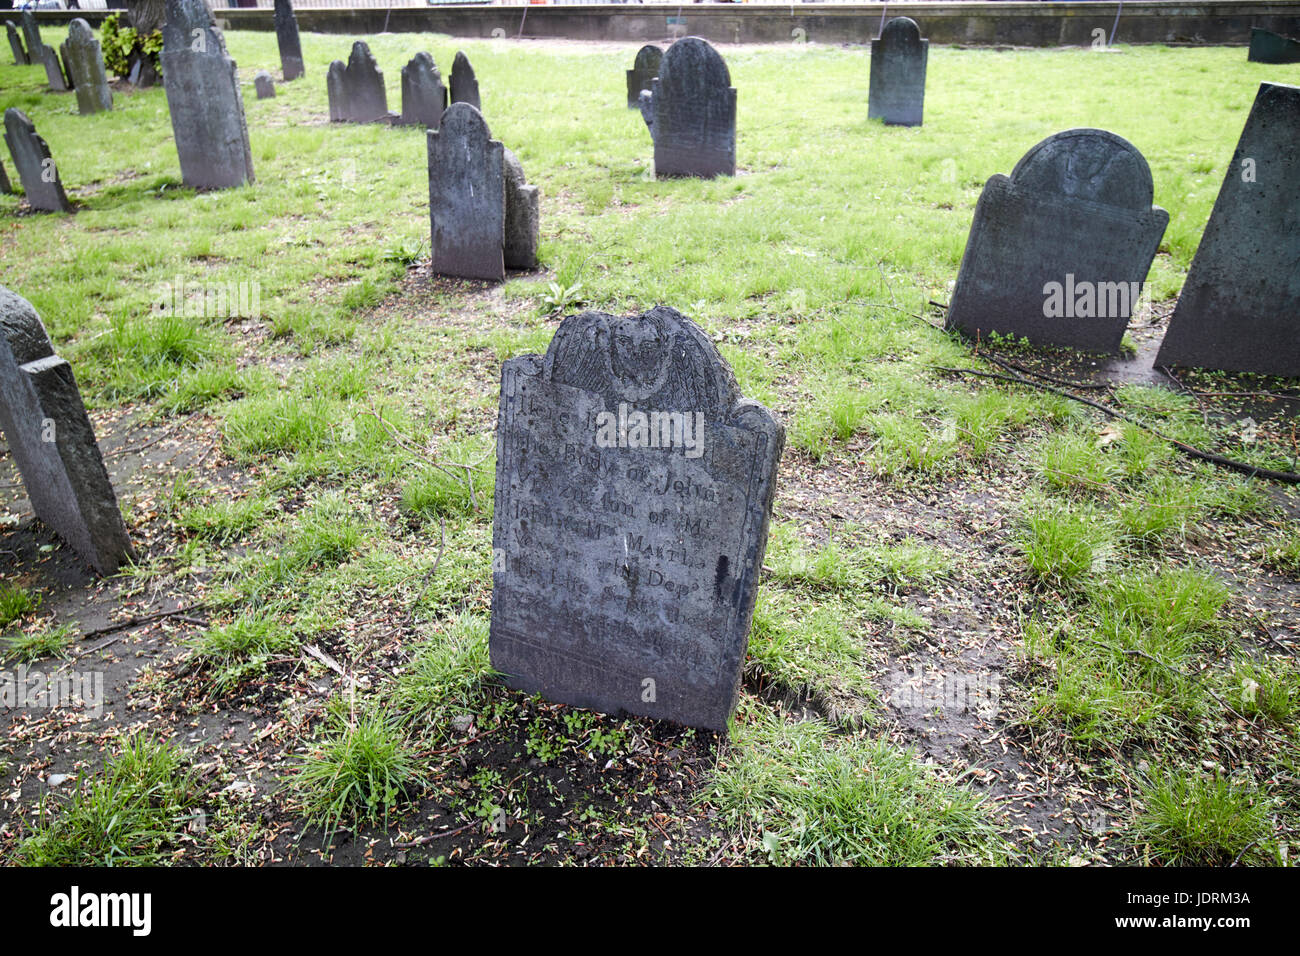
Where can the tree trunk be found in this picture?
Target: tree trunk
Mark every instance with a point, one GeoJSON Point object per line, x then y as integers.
{"type": "Point", "coordinates": [146, 15]}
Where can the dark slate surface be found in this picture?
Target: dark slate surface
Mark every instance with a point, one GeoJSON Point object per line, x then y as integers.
{"type": "Point", "coordinates": [523, 217]}
{"type": "Point", "coordinates": [1266, 47]}
{"type": "Point", "coordinates": [423, 95]}
{"type": "Point", "coordinates": [467, 204]}
{"type": "Point", "coordinates": [264, 85]}
{"type": "Point", "coordinates": [203, 95]}
{"type": "Point", "coordinates": [464, 85]}
{"type": "Point", "coordinates": [694, 110]}
{"type": "Point", "coordinates": [16, 45]}
{"type": "Point", "coordinates": [54, 74]}
{"type": "Point", "coordinates": [5, 186]}
{"type": "Point", "coordinates": [356, 91]}
{"type": "Point", "coordinates": [644, 69]}
{"type": "Point", "coordinates": [86, 64]}
{"type": "Point", "coordinates": [286, 37]}
{"type": "Point", "coordinates": [1240, 306]}
{"type": "Point", "coordinates": [65, 478]}
{"type": "Point", "coordinates": [36, 169]}
{"type": "Point", "coordinates": [31, 35]}
{"type": "Point", "coordinates": [898, 61]}
{"type": "Point", "coordinates": [624, 577]}
{"type": "Point", "coordinates": [1076, 209]}
{"type": "Point", "coordinates": [66, 65]}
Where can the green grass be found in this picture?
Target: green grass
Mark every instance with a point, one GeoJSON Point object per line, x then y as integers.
{"type": "Point", "coordinates": [228, 655]}
{"type": "Point", "coordinates": [16, 602]}
{"type": "Point", "coordinates": [45, 641]}
{"type": "Point", "coordinates": [444, 675]}
{"type": "Point", "coordinates": [1195, 820]}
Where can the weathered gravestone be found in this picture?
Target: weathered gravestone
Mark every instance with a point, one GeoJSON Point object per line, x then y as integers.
{"type": "Point", "coordinates": [644, 69]}
{"type": "Point", "coordinates": [264, 85]}
{"type": "Point", "coordinates": [423, 96]}
{"type": "Point", "coordinates": [16, 45]}
{"type": "Point", "coordinates": [52, 441]}
{"type": "Point", "coordinates": [36, 169]}
{"type": "Point", "coordinates": [691, 111]}
{"type": "Point", "coordinates": [54, 74]}
{"type": "Point", "coordinates": [86, 65]}
{"type": "Point", "coordinates": [286, 36]}
{"type": "Point", "coordinates": [483, 215]}
{"type": "Point", "coordinates": [66, 63]}
{"type": "Point", "coordinates": [633, 490]}
{"type": "Point", "coordinates": [5, 186]}
{"type": "Point", "coordinates": [1266, 47]}
{"type": "Point", "coordinates": [356, 91]}
{"type": "Point", "coordinates": [898, 62]}
{"type": "Point", "coordinates": [31, 34]}
{"type": "Point", "coordinates": [1240, 307]}
{"type": "Point", "coordinates": [464, 85]}
{"type": "Point", "coordinates": [1058, 252]}
{"type": "Point", "coordinates": [205, 100]}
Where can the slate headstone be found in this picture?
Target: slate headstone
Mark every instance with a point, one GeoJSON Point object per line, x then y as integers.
{"type": "Point", "coordinates": [36, 169]}
{"type": "Point", "coordinates": [464, 85]}
{"type": "Point", "coordinates": [54, 74]}
{"type": "Point", "coordinates": [1239, 310]}
{"type": "Point", "coordinates": [203, 94]}
{"type": "Point", "coordinates": [52, 442]}
{"type": "Point", "coordinates": [32, 35]}
{"type": "Point", "coordinates": [86, 64]}
{"type": "Point", "coordinates": [356, 91]}
{"type": "Point", "coordinates": [66, 64]}
{"type": "Point", "coordinates": [483, 216]}
{"type": "Point", "coordinates": [1058, 251]}
{"type": "Point", "coordinates": [634, 486]}
{"type": "Point", "coordinates": [5, 186]}
{"type": "Point", "coordinates": [16, 45]}
{"type": "Point", "coordinates": [693, 109]}
{"type": "Point", "coordinates": [644, 69]}
{"type": "Point", "coordinates": [1267, 47]}
{"type": "Point", "coordinates": [423, 96]}
{"type": "Point", "coordinates": [898, 62]}
{"type": "Point", "coordinates": [286, 36]}
{"type": "Point", "coordinates": [264, 85]}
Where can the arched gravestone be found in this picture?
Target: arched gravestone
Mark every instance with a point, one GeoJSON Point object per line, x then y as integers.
{"type": "Point", "coordinates": [464, 85]}
{"type": "Point", "coordinates": [54, 74]}
{"type": "Point", "coordinates": [286, 37]}
{"type": "Point", "coordinates": [32, 34]}
{"type": "Point", "coordinates": [16, 45]}
{"type": "Point", "coordinates": [423, 96]}
{"type": "Point", "coordinates": [483, 216]}
{"type": "Point", "coordinates": [86, 65]}
{"type": "Point", "coordinates": [356, 91]}
{"type": "Point", "coordinates": [203, 95]}
{"type": "Point", "coordinates": [52, 441]}
{"type": "Point", "coordinates": [1058, 252]}
{"type": "Point", "coordinates": [1240, 307]}
{"type": "Point", "coordinates": [634, 485]}
{"type": "Point", "coordinates": [644, 69]}
{"type": "Point", "coordinates": [898, 62]}
{"type": "Point", "coordinates": [1266, 47]}
{"type": "Point", "coordinates": [36, 169]}
{"type": "Point", "coordinates": [264, 85]}
{"type": "Point", "coordinates": [693, 112]}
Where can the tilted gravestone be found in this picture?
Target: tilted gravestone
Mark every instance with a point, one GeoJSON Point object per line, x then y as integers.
{"type": "Point", "coordinates": [483, 215]}
{"type": "Point", "coordinates": [644, 69]}
{"type": "Point", "coordinates": [54, 74]}
{"type": "Point", "coordinates": [36, 169]}
{"type": "Point", "coordinates": [66, 63]}
{"type": "Point", "coordinates": [423, 96]}
{"type": "Point", "coordinates": [691, 109]}
{"type": "Point", "coordinates": [52, 441]}
{"type": "Point", "coordinates": [1239, 310]}
{"type": "Point", "coordinates": [86, 64]}
{"type": "Point", "coordinates": [32, 35]}
{"type": "Point", "coordinates": [464, 85]}
{"type": "Point", "coordinates": [203, 94]}
{"type": "Point", "coordinates": [356, 91]}
{"type": "Point", "coordinates": [1266, 47]}
{"type": "Point", "coordinates": [898, 62]}
{"type": "Point", "coordinates": [286, 36]}
{"type": "Point", "coordinates": [16, 45]}
{"type": "Point", "coordinates": [1058, 252]}
{"type": "Point", "coordinates": [5, 186]}
{"type": "Point", "coordinates": [634, 485]}
{"type": "Point", "coordinates": [264, 85]}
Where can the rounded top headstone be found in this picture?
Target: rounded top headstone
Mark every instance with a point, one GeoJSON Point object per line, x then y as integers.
{"type": "Point", "coordinates": [462, 119]}
{"type": "Point", "coordinates": [80, 31]}
{"type": "Point", "coordinates": [22, 329]}
{"type": "Point", "coordinates": [361, 54]}
{"type": "Point", "coordinates": [648, 57]}
{"type": "Point", "coordinates": [1089, 164]}
{"type": "Point", "coordinates": [901, 30]}
{"type": "Point", "coordinates": [693, 63]}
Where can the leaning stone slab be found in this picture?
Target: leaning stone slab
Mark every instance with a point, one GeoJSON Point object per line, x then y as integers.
{"type": "Point", "coordinates": [16, 45]}
{"type": "Point", "coordinates": [898, 62]}
{"type": "Point", "coordinates": [464, 85]}
{"type": "Point", "coordinates": [86, 66]}
{"type": "Point", "coordinates": [32, 35]}
{"type": "Point", "coordinates": [36, 169]}
{"type": "Point", "coordinates": [203, 94]}
{"type": "Point", "coordinates": [264, 85]}
{"type": "Point", "coordinates": [424, 98]}
{"type": "Point", "coordinates": [644, 69]}
{"type": "Point", "coordinates": [5, 186]}
{"type": "Point", "coordinates": [1058, 251]}
{"type": "Point", "coordinates": [286, 36]}
{"type": "Point", "coordinates": [1239, 310]}
{"type": "Point", "coordinates": [633, 490]}
{"type": "Point", "coordinates": [356, 91]}
{"type": "Point", "coordinates": [693, 112]}
{"type": "Point", "coordinates": [1266, 47]}
{"type": "Point", "coordinates": [54, 74]}
{"type": "Point", "coordinates": [483, 216]}
{"type": "Point", "coordinates": [52, 441]}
